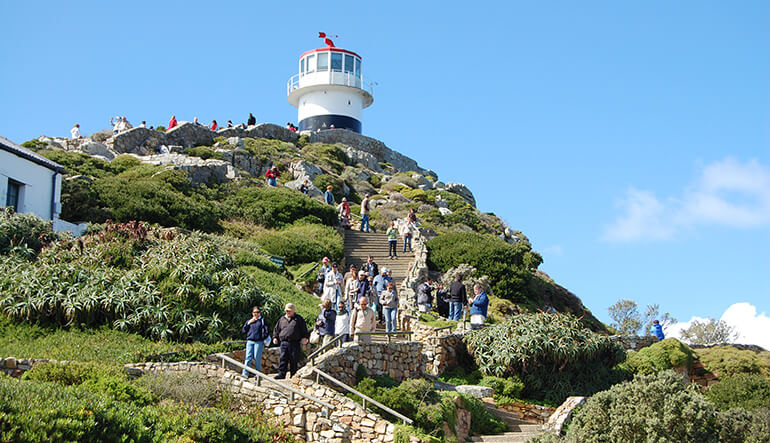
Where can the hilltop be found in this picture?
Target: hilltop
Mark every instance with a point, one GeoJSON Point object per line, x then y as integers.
{"type": "Point", "coordinates": [194, 178]}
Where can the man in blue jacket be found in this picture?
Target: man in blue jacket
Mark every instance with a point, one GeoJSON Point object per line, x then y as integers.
{"type": "Point", "coordinates": [479, 305]}
{"type": "Point", "coordinates": [257, 332]}
{"type": "Point", "coordinates": [657, 330]}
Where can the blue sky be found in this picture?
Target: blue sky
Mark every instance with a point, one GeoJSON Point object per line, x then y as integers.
{"type": "Point", "coordinates": [629, 140]}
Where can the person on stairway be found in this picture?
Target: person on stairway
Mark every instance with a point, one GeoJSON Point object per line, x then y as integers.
{"type": "Point", "coordinates": [392, 234]}
{"type": "Point", "coordinates": [326, 321]}
{"type": "Point", "coordinates": [365, 214]}
{"type": "Point", "coordinates": [389, 300]}
{"type": "Point", "coordinates": [333, 284]}
{"type": "Point", "coordinates": [362, 320]}
{"type": "Point", "coordinates": [257, 333]}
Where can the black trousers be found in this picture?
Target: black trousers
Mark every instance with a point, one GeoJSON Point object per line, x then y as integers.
{"type": "Point", "coordinates": [289, 358]}
{"type": "Point", "coordinates": [392, 248]}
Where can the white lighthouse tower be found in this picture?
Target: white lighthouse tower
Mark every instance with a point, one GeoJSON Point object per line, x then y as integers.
{"type": "Point", "coordinates": [329, 90]}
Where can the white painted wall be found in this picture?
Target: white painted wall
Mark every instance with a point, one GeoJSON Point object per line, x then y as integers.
{"type": "Point", "coordinates": [35, 195]}
{"type": "Point", "coordinates": [343, 101]}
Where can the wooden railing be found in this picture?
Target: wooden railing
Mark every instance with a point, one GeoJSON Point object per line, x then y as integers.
{"type": "Point", "coordinates": [364, 398]}
{"type": "Point", "coordinates": [262, 377]}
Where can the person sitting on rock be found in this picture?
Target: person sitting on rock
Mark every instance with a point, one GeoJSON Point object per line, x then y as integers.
{"type": "Point", "coordinates": [272, 174]}
{"type": "Point", "coordinates": [214, 125]}
{"type": "Point", "coordinates": [75, 131]}
{"type": "Point", "coordinates": [196, 122]}
{"type": "Point", "coordinates": [143, 124]}
{"type": "Point", "coordinates": [251, 121]}
{"type": "Point", "coordinates": [305, 187]}
{"type": "Point", "coordinates": [229, 123]}
{"type": "Point", "coordinates": [172, 123]}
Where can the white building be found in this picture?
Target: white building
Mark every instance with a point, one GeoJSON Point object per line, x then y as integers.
{"type": "Point", "coordinates": [31, 184]}
{"type": "Point", "coordinates": [329, 90]}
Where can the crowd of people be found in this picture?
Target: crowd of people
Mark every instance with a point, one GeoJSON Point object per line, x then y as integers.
{"type": "Point", "coordinates": [121, 124]}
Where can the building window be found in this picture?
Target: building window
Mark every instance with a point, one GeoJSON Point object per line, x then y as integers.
{"type": "Point", "coordinates": [349, 67]}
{"type": "Point", "coordinates": [310, 63]}
{"type": "Point", "coordinates": [12, 198]}
{"type": "Point", "coordinates": [323, 62]}
{"type": "Point", "coordinates": [336, 62]}
{"type": "Point", "coordinates": [302, 66]}
{"type": "Point", "coordinates": [358, 67]}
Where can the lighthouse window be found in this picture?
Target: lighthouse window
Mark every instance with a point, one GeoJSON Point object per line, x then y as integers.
{"type": "Point", "coordinates": [310, 63]}
{"type": "Point", "coordinates": [348, 63]}
{"type": "Point", "coordinates": [358, 67]}
{"type": "Point", "coordinates": [323, 62]}
{"type": "Point", "coordinates": [302, 66]}
{"type": "Point", "coordinates": [336, 62]}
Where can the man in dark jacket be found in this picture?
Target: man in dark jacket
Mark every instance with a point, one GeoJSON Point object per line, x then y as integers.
{"type": "Point", "coordinates": [370, 267]}
{"type": "Point", "coordinates": [363, 286]}
{"type": "Point", "coordinates": [290, 332]}
{"type": "Point", "coordinates": [457, 298]}
{"type": "Point", "coordinates": [257, 331]}
{"type": "Point", "coordinates": [425, 296]}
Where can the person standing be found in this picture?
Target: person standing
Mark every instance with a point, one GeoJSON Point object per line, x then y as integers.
{"type": "Point", "coordinates": [363, 287]}
{"type": "Point", "coordinates": [333, 284]}
{"type": "Point", "coordinates": [328, 196]}
{"type": "Point", "coordinates": [325, 323]}
{"type": "Point", "coordinates": [290, 332]}
{"type": "Point", "coordinates": [424, 296]}
{"type": "Point", "coordinates": [172, 123]}
{"type": "Point", "coordinates": [389, 301]}
{"type": "Point", "coordinates": [257, 332]}
{"type": "Point", "coordinates": [380, 282]}
{"type": "Point", "coordinates": [657, 330]}
{"type": "Point", "coordinates": [479, 306]}
{"type": "Point", "coordinates": [362, 320]}
{"type": "Point", "coordinates": [251, 120]}
{"type": "Point", "coordinates": [272, 175]}
{"type": "Point", "coordinates": [321, 276]}
{"type": "Point", "coordinates": [370, 267]}
{"type": "Point", "coordinates": [75, 131]}
{"type": "Point", "coordinates": [342, 322]}
{"type": "Point", "coordinates": [343, 210]}
{"type": "Point", "coordinates": [365, 214]}
{"type": "Point", "coordinates": [457, 298]}
{"type": "Point", "coordinates": [392, 234]}
{"type": "Point", "coordinates": [406, 232]}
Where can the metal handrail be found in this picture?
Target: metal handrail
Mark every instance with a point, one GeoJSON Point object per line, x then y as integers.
{"type": "Point", "coordinates": [328, 77]}
{"type": "Point", "coordinates": [443, 327]}
{"type": "Point", "coordinates": [261, 376]}
{"type": "Point", "coordinates": [363, 396]}
{"type": "Point", "coordinates": [318, 351]}
{"type": "Point", "coordinates": [308, 271]}
{"type": "Point", "coordinates": [388, 334]}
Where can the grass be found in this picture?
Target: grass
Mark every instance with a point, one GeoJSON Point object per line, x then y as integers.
{"type": "Point", "coordinates": [281, 287]}
{"type": "Point", "coordinates": [436, 322]}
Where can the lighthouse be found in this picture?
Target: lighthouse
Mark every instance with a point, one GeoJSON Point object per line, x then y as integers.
{"type": "Point", "coordinates": [329, 91]}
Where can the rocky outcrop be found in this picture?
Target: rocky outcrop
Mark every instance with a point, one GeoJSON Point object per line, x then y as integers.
{"type": "Point", "coordinates": [242, 160]}
{"type": "Point", "coordinates": [313, 191]}
{"type": "Point", "coordinates": [198, 170]}
{"type": "Point", "coordinates": [382, 153]}
{"type": "Point", "coordinates": [302, 169]}
{"type": "Point", "coordinates": [356, 156]}
{"type": "Point", "coordinates": [563, 414]}
{"type": "Point", "coordinates": [85, 145]}
{"type": "Point", "coordinates": [461, 190]}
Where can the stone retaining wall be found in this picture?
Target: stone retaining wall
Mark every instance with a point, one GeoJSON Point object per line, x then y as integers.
{"type": "Point", "coordinates": [529, 412]}
{"type": "Point", "coordinates": [444, 352]}
{"type": "Point", "coordinates": [399, 360]}
{"type": "Point", "coordinates": [305, 419]}
{"type": "Point", "coordinates": [16, 367]}
{"type": "Point", "coordinates": [270, 358]}
{"type": "Point", "coordinates": [562, 415]}
{"type": "Point", "coordinates": [633, 342]}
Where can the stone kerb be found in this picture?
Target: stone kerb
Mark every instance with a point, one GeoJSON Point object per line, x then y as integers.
{"type": "Point", "coordinates": [378, 149]}
{"type": "Point", "coordinates": [562, 415]}
{"type": "Point", "coordinates": [15, 367]}
{"type": "Point", "coordinates": [529, 412]}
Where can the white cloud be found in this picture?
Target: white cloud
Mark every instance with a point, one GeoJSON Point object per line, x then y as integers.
{"type": "Point", "coordinates": [752, 328]}
{"type": "Point", "coordinates": [727, 193]}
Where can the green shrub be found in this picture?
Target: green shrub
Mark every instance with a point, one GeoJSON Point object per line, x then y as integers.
{"type": "Point", "coordinates": [747, 391]}
{"type": "Point", "coordinates": [667, 354]}
{"type": "Point", "coordinates": [204, 152]}
{"type": "Point", "coordinates": [375, 180]}
{"type": "Point", "coordinates": [655, 407]}
{"type": "Point", "coordinates": [328, 157]}
{"type": "Point", "coordinates": [283, 291]}
{"type": "Point", "coordinates": [418, 195]}
{"type": "Point", "coordinates": [741, 426]}
{"type": "Point", "coordinates": [268, 150]}
{"type": "Point", "coordinates": [35, 144]}
{"type": "Point", "coordinates": [553, 354]}
{"type": "Point", "coordinates": [183, 387]}
{"type": "Point", "coordinates": [508, 266]}
{"type": "Point", "coordinates": [185, 288]}
{"type": "Point", "coordinates": [504, 387]}
{"type": "Point", "coordinates": [460, 376]}
{"type": "Point", "coordinates": [23, 230]}
{"type": "Point", "coordinates": [467, 216]}
{"type": "Point", "coordinates": [276, 207]}
{"type": "Point", "coordinates": [77, 163]}
{"type": "Point", "coordinates": [728, 360]}
{"type": "Point", "coordinates": [81, 202]}
{"type": "Point", "coordinates": [302, 243]}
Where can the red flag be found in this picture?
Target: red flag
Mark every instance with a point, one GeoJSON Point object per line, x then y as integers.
{"type": "Point", "coordinates": [327, 40]}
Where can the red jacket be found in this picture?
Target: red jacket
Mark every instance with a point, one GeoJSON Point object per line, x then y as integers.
{"type": "Point", "coordinates": [272, 173]}
{"type": "Point", "coordinates": [172, 123]}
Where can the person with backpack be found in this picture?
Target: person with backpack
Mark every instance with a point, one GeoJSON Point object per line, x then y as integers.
{"type": "Point", "coordinates": [257, 333]}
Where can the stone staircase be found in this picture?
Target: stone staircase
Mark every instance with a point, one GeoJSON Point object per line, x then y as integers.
{"type": "Point", "coordinates": [518, 430]}
{"type": "Point", "coordinates": [360, 245]}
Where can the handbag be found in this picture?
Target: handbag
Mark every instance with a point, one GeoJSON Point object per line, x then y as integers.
{"type": "Point", "coordinates": [315, 337]}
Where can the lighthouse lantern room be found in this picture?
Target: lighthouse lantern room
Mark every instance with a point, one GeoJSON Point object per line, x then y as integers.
{"type": "Point", "coordinates": [328, 91]}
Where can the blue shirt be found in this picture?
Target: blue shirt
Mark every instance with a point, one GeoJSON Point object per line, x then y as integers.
{"type": "Point", "coordinates": [381, 283]}
{"type": "Point", "coordinates": [257, 331]}
{"type": "Point", "coordinates": [327, 317]}
{"type": "Point", "coordinates": [329, 197]}
{"type": "Point", "coordinates": [480, 304]}
{"type": "Point", "coordinates": [657, 330]}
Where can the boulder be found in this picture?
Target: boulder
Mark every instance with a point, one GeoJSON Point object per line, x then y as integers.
{"type": "Point", "coordinates": [140, 141]}
{"type": "Point", "coordinates": [313, 191]}
{"type": "Point", "coordinates": [189, 135]}
{"type": "Point", "coordinates": [444, 211]}
{"type": "Point", "coordinates": [463, 191]}
{"type": "Point", "coordinates": [237, 142]}
{"type": "Point", "coordinates": [364, 158]}
{"type": "Point", "coordinates": [475, 391]}
{"type": "Point", "coordinates": [269, 130]}
{"type": "Point", "coordinates": [243, 161]}
{"type": "Point", "coordinates": [382, 153]}
{"type": "Point", "coordinates": [97, 149]}
{"type": "Point", "coordinates": [422, 182]}
{"type": "Point", "coordinates": [302, 168]}
{"type": "Point", "coordinates": [198, 170]}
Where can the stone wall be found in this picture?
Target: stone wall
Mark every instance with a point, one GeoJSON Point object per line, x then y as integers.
{"type": "Point", "coordinates": [529, 412]}
{"type": "Point", "coordinates": [382, 153]}
{"type": "Point", "coordinates": [562, 415]}
{"type": "Point", "coordinates": [444, 352]}
{"type": "Point", "coordinates": [15, 367]}
{"type": "Point", "coordinates": [418, 272]}
{"type": "Point", "coordinates": [399, 360]}
{"type": "Point", "coordinates": [305, 419]}
{"type": "Point", "coordinates": [633, 342]}
{"type": "Point", "coordinates": [270, 357]}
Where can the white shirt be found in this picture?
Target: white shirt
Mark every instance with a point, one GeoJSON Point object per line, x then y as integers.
{"type": "Point", "coordinates": [75, 131]}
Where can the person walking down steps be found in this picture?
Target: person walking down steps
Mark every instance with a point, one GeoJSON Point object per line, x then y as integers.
{"type": "Point", "coordinates": [392, 234]}
{"type": "Point", "coordinates": [290, 333]}
{"type": "Point", "coordinates": [362, 320]}
{"type": "Point", "coordinates": [365, 214]}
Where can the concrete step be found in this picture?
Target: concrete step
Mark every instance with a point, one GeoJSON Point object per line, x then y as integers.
{"type": "Point", "coordinates": [508, 437]}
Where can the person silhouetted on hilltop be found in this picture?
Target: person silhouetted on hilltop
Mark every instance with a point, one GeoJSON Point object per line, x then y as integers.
{"type": "Point", "coordinates": [214, 125]}
{"type": "Point", "coordinates": [657, 330]}
{"type": "Point", "coordinates": [75, 131]}
{"type": "Point", "coordinates": [229, 123]}
{"type": "Point", "coordinates": [172, 123]}
{"type": "Point", "coordinates": [251, 121]}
